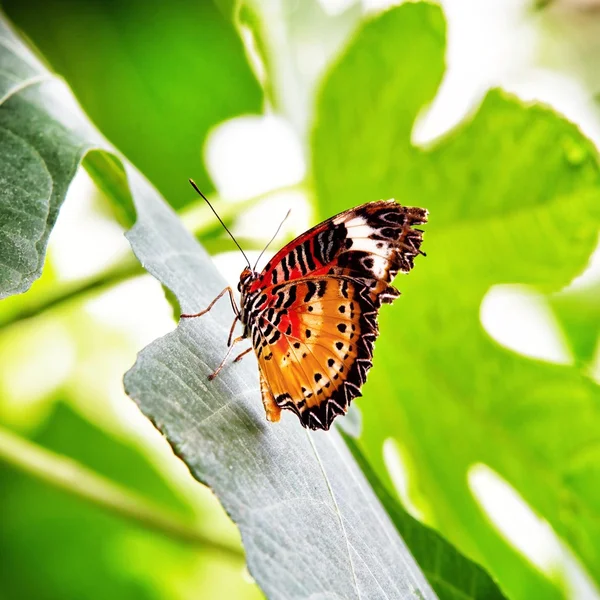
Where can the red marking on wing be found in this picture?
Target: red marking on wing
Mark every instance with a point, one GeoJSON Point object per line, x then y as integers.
{"type": "Point", "coordinates": [371, 242]}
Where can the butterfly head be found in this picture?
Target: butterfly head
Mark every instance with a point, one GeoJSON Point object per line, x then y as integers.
{"type": "Point", "coordinates": [247, 276]}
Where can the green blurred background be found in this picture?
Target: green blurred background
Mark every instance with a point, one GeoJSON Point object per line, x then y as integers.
{"type": "Point", "coordinates": [226, 92]}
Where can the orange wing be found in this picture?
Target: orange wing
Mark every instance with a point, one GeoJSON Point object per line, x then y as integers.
{"type": "Point", "coordinates": [314, 308]}
{"type": "Point", "coordinates": [320, 361]}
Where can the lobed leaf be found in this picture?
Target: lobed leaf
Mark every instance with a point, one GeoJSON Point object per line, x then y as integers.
{"type": "Point", "coordinates": [513, 195]}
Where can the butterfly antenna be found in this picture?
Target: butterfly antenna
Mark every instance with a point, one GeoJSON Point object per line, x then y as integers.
{"type": "Point", "coordinates": [274, 236]}
{"type": "Point", "coordinates": [220, 220]}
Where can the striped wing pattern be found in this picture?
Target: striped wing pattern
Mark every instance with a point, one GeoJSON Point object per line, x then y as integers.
{"type": "Point", "coordinates": [312, 312]}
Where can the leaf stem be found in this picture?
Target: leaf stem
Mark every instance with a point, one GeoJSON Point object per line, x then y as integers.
{"type": "Point", "coordinates": [197, 218]}
{"type": "Point", "coordinates": [74, 478]}
{"type": "Point", "coordinates": [126, 268]}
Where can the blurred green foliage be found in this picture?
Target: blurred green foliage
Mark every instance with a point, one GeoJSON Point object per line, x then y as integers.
{"type": "Point", "coordinates": [579, 313]}
{"type": "Point", "coordinates": [55, 546]}
{"type": "Point", "coordinates": [296, 41]}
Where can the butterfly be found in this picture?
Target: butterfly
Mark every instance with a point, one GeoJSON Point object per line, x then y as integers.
{"type": "Point", "coordinates": [311, 313]}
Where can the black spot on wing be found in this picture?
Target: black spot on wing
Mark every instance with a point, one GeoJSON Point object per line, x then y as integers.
{"type": "Point", "coordinates": [301, 261]}
{"type": "Point", "coordinates": [281, 399]}
{"type": "Point", "coordinates": [321, 288]}
{"type": "Point", "coordinates": [291, 296]}
{"type": "Point", "coordinates": [328, 243]}
{"type": "Point", "coordinates": [284, 267]}
{"type": "Point", "coordinates": [292, 259]}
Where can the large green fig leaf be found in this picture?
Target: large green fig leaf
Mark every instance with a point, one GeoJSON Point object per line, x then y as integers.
{"type": "Point", "coordinates": [514, 197]}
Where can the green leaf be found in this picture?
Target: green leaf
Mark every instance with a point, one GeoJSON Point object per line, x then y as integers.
{"type": "Point", "coordinates": [451, 574]}
{"type": "Point", "coordinates": [39, 161]}
{"type": "Point", "coordinates": [155, 77]}
{"type": "Point", "coordinates": [513, 196]}
{"type": "Point", "coordinates": [311, 525]}
{"type": "Point", "coordinates": [579, 313]}
{"type": "Point", "coordinates": [309, 521]}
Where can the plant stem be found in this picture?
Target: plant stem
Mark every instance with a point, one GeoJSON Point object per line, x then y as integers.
{"type": "Point", "coordinates": [197, 218]}
{"type": "Point", "coordinates": [74, 478]}
{"type": "Point", "coordinates": [126, 268]}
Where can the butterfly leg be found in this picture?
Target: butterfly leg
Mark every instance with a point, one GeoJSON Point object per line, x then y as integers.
{"type": "Point", "coordinates": [203, 312]}
{"type": "Point", "coordinates": [237, 318]}
{"type": "Point", "coordinates": [218, 369]}
{"type": "Point", "coordinates": [240, 356]}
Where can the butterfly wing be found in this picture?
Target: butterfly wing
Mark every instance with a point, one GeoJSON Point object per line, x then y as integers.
{"type": "Point", "coordinates": [316, 325]}
{"type": "Point", "coordinates": [316, 359]}
{"type": "Point", "coordinates": [371, 243]}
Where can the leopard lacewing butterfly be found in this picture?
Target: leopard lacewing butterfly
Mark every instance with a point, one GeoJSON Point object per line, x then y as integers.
{"type": "Point", "coordinates": [311, 313]}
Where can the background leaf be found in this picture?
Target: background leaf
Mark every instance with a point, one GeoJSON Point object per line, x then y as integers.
{"type": "Point", "coordinates": [451, 575]}
{"type": "Point", "coordinates": [286, 35]}
{"type": "Point", "coordinates": [513, 198]}
{"type": "Point", "coordinates": [154, 77]}
{"type": "Point", "coordinates": [579, 313]}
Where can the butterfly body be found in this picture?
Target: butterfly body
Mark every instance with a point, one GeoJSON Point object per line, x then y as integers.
{"type": "Point", "coordinates": [311, 314]}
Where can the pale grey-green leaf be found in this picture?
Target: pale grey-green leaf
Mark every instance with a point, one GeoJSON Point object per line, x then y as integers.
{"type": "Point", "coordinates": [310, 523]}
